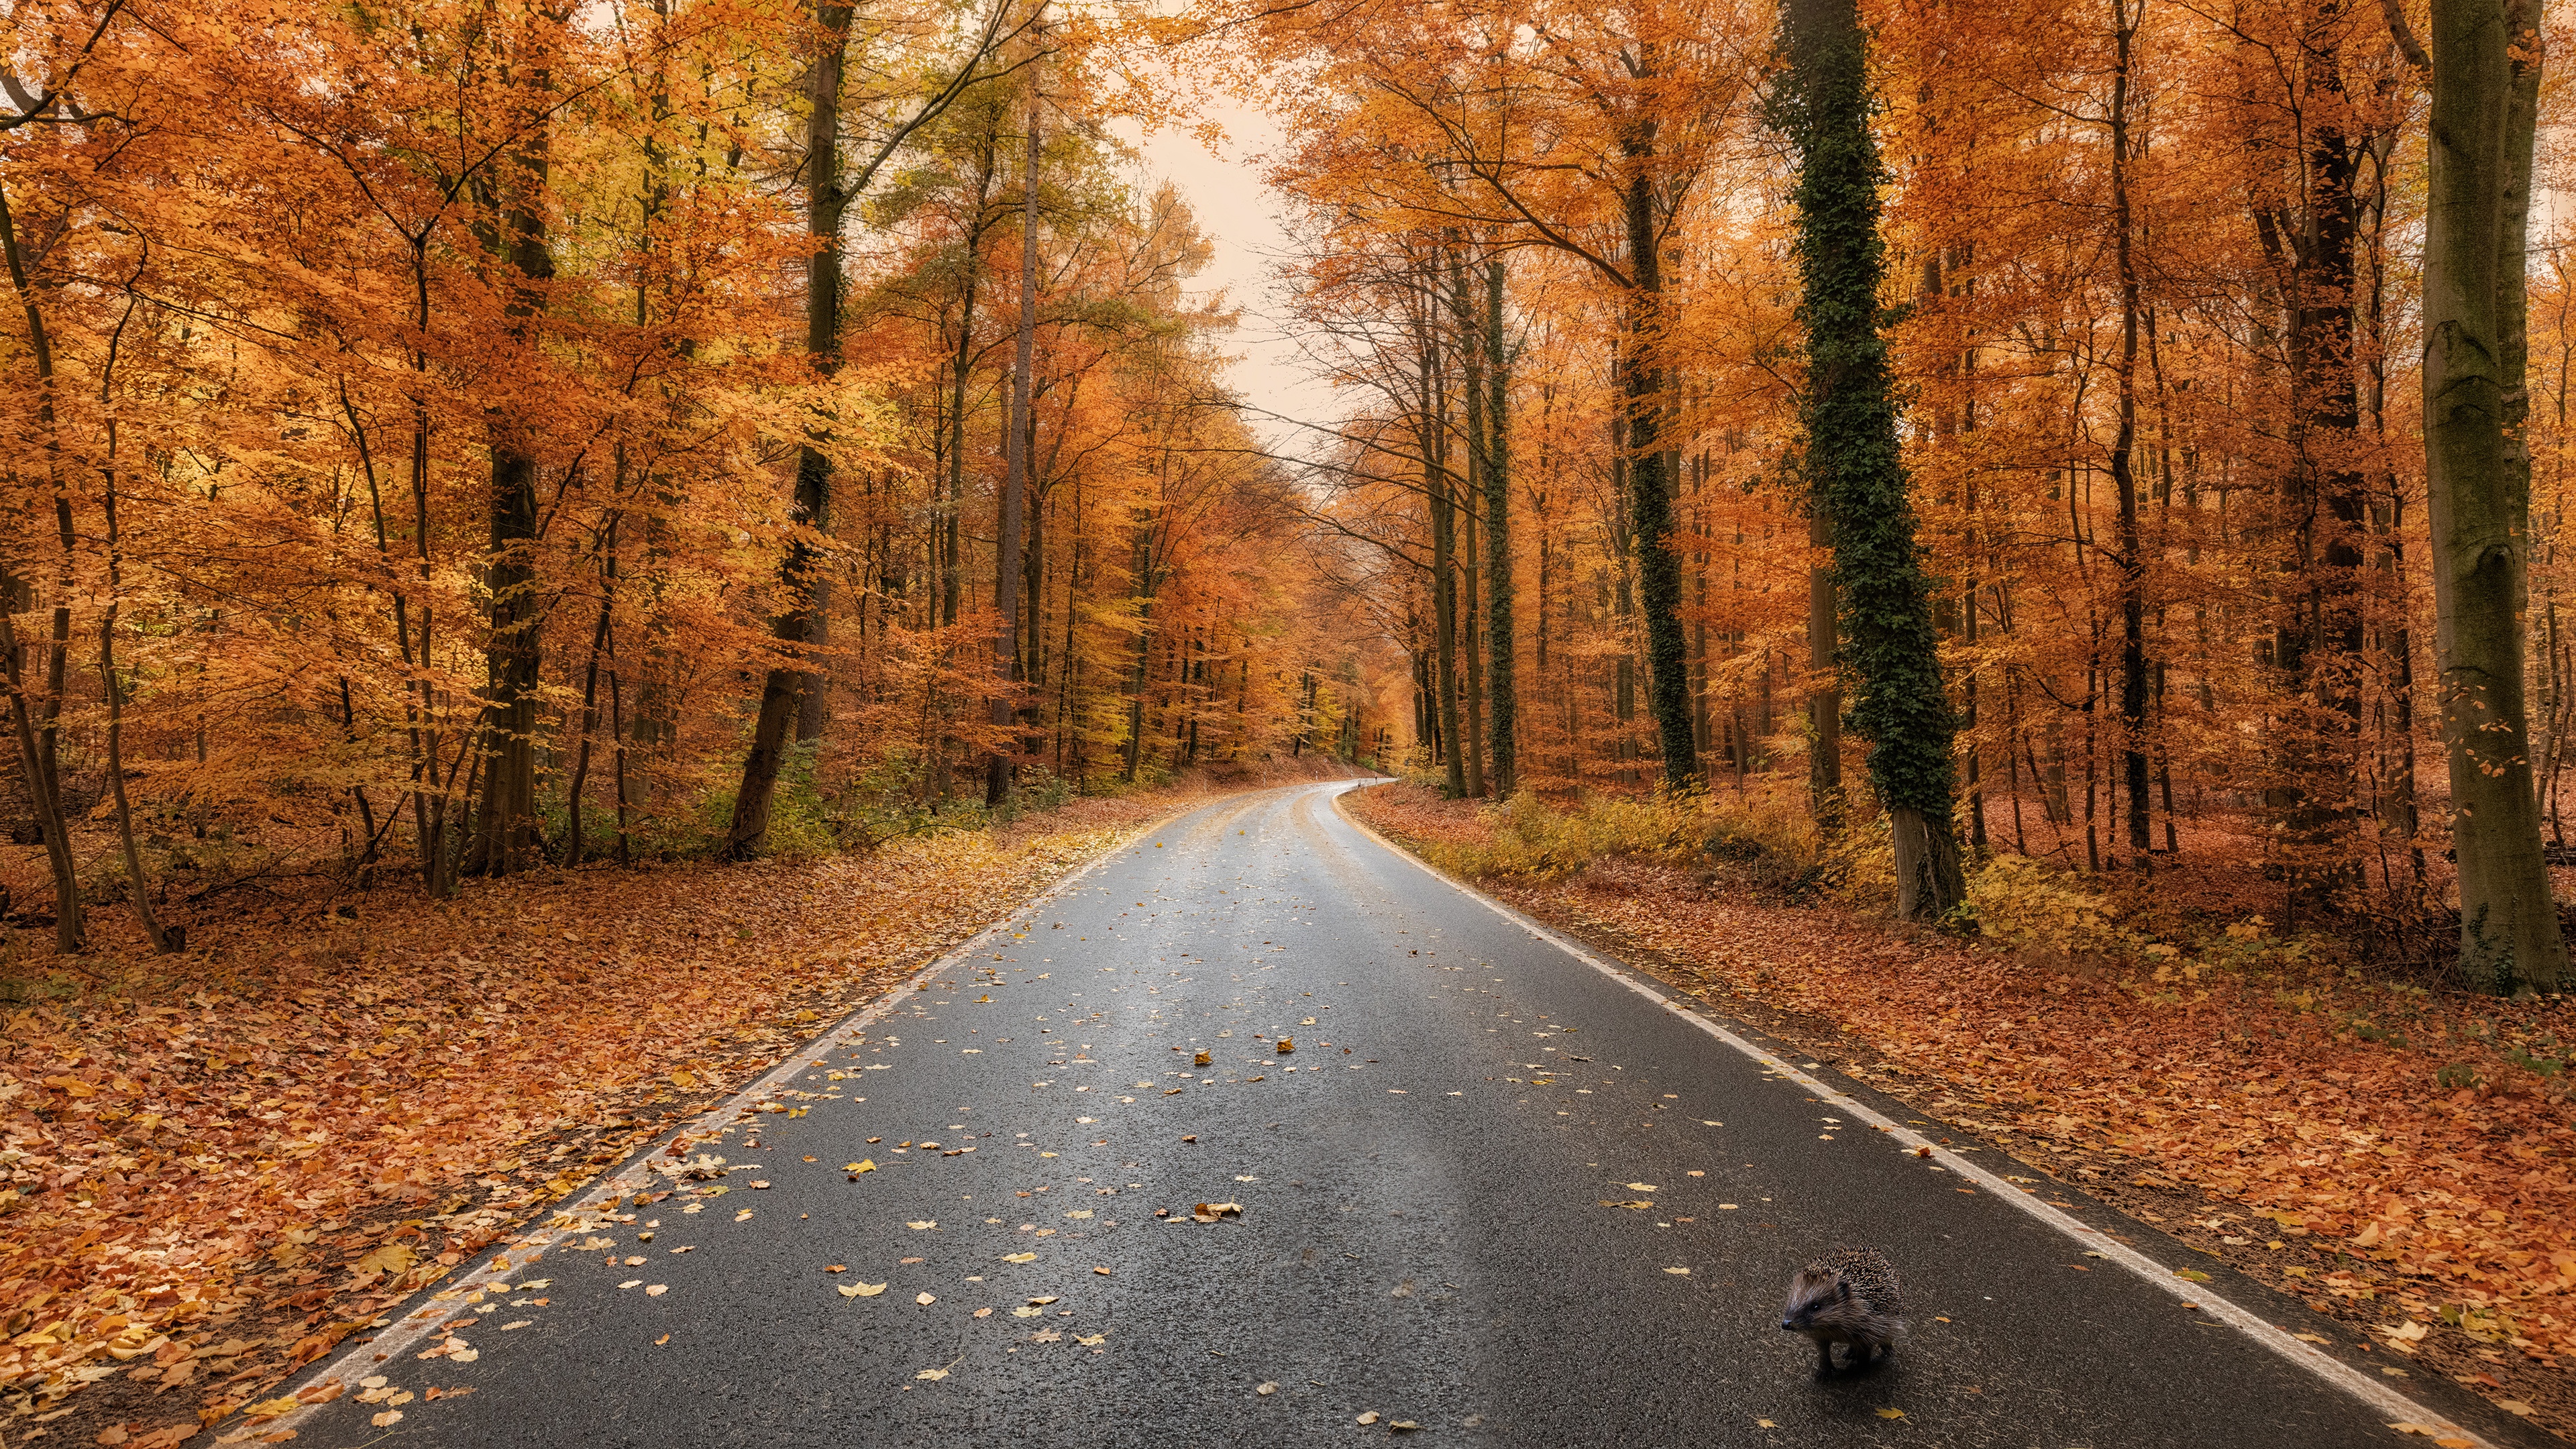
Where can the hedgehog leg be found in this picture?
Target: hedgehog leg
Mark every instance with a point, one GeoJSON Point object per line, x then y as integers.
{"type": "Point", "coordinates": [1824, 1358]}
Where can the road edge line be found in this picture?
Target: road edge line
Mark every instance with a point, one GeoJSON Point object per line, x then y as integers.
{"type": "Point", "coordinates": [2253, 1325]}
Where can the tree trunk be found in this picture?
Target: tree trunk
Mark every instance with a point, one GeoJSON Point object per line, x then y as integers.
{"type": "Point", "coordinates": [2486, 82]}
{"type": "Point", "coordinates": [35, 723]}
{"type": "Point", "coordinates": [1501, 633]}
{"type": "Point", "coordinates": [748, 833]}
{"type": "Point", "coordinates": [2124, 477]}
{"type": "Point", "coordinates": [507, 837]}
{"type": "Point", "coordinates": [1659, 568]}
{"type": "Point", "coordinates": [1007, 562]}
{"type": "Point", "coordinates": [1854, 466]}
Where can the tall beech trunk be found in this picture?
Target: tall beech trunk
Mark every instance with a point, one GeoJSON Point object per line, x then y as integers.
{"type": "Point", "coordinates": [1444, 571]}
{"type": "Point", "coordinates": [1650, 489]}
{"type": "Point", "coordinates": [794, 628]}
{"type": "Point", "coordinates": [1501, 633]}
{"type": "Point", "coordinates": [507, 837]}
{"type": "Point", "coordinates": [1007, 561]}
{"type": "Point", "coordinates": [2486, 85]}
{"type": "Point", "coordinates": [35, 718]}
{"type": "Point", "coordinates": [1853, 462]}
{"type": "Point", "coordinates": [2128, 552]}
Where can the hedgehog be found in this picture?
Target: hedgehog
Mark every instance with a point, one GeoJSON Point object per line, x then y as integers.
{"type": "Point", "coordinates": [1849, 1296]}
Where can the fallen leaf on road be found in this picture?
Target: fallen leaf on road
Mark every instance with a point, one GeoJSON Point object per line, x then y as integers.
{"type": "Point", "coordinates": [1265, 1390]}
{"type": "Point", "coordinates": [1027, 1312]}
{"type": "Point", "coordinates": [919, 1226]}
{"type": "Point", "coordinates": [631, 1283]}
{"type": "Point", "coordinates": [387, 1419]}
{"type": "Point", "coordinates": [1019, 1257]}
{"type": "Point", "coordinates": [271, 1408]}
{"type": "Point", "coordinates": [1765, 1424]}
{"type": "Point", "coordinates": [691, 1248]}
{"type": "Point", "coordinates": [1202, 1059]}
{"type": "Point", "coordinates": [1891, 1413]}
{"type": "Point", "coordinates": [1641, 1203]}
{"type": "Point", "coordinates": [1103, 1272]}
{"type": "Point", "coordinates": [2312, 1338]}
{"type": "Point", "coordinates": [1369, 1418]}
{"type": "Point", "coordinates": [862, 1290]}
{"type": "Point", "coordinates": [1643, 1187]}
{"type": "Point", "coordinates": [1402, 1425]}
{"type": "Point", "coordinates": [867, 1164]}
{"type": "Point", "coordinates": [1092, 1341]}
{"type": "Point", "coordinates": [1208, 1212]}
{"type": "Point", "coordinates": [938, 1373]}
{"type": "Point", "coordinates": [2194, 1275]}
{"type": "Point", "coordinates": [981, 1313]}
{"type": "Point", "coordinates": [656, 1291]}
{"type": "Point", "coordinates": [1080, 1213]}
{"type": "Point", "coordinates": [635, 1262]}
{"type": "Point", "coordinates": [1677, 1270]}
{"type": "Point", "coordinates": [521, 1323]}
{"type": "Point", "coordinates": [743, 1217]}
{"type": "Point", "coordinates": [925, 1300]}
{"type": "Point", "coordinates": [1287, 1045]}
{"type": "Point", "coordinates": [2515, 1406]}
{"type": "Point", "coordinates": [762, 1185]}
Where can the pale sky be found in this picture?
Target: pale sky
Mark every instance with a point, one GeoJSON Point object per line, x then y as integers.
{"type": "Point", "coordinates": [1242, 218]}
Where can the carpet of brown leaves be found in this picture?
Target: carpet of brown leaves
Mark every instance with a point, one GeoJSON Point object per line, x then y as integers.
{"type": "Point", "coordinates": [215, 1166]}
{"type": "Point", "coordinates": [2295, 1122]}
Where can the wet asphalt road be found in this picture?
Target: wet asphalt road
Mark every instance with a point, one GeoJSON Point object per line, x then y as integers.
{"type": "Point", "coordinates": [1464, 1198]}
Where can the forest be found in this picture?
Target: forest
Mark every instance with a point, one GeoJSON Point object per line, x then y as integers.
{"type": "Point", "coordinates": [2077, 477]}
{"type": "Point", "coordinates": [454, 440]}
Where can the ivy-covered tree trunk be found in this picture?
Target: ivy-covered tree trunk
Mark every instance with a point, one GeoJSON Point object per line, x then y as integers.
{"type": "Point", "coordinates": [1853, 462]}
{"type": "Point", "coordinates": [2477, 469]}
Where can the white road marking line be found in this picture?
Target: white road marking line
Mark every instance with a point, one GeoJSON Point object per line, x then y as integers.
{"type": "Point", "coordinates": [2253, 1325]}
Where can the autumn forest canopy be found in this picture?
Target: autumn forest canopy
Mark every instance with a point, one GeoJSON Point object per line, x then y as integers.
{"type": "Point", "coordinates": [446, 440]}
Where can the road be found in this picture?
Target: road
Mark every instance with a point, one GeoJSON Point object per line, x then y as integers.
{"type": "Point", "coordinates": [1494, 1191]}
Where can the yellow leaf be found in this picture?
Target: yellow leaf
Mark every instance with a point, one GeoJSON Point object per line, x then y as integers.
{"type": "Point", "coordinates": [1019, 1257]}
{"type": "Point", "coordinates": [865, 1165]}
{"type": "Point", "coordinates": [685, 1081]}
{"type": "Point", "coordinates": [863, 1290]}
{"type": "Point", "coordinates": [271, 1408]}
{"type": "Point", "coordinates": [1891, 1413]}
{"type": "Point", "coordinates": [387, 1258]}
